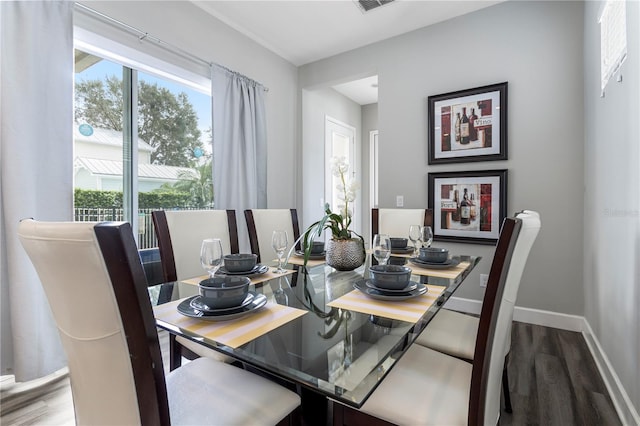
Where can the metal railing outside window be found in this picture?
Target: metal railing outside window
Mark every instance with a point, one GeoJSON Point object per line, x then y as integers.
{"type": "Point", "coordinates": [146, 233]}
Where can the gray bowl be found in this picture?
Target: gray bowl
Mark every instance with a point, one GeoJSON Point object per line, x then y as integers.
{"type": "Point", "coordinates": [224, 292]}
{"type": "Point", "coordinates": [434, 254]}
{"type": "Point", "coordinates": [392, 277]}
{"type": "Point", "coordinates": [399, 243]}
{"type": "Point", "coordinates": [242, 262]}
{"type": "Point", "coordinates": [317, 247]}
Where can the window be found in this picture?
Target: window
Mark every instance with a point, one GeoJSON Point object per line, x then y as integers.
{"type": "Point", "coordinates": [613, 39]}
{"type": "Point", "coordinates": [142, 142]}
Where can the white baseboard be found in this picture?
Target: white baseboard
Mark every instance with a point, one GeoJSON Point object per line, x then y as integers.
{"type": "Point", "coordinates": [621, 401]}
{"type": "Point", "coordinates": [626, 411]}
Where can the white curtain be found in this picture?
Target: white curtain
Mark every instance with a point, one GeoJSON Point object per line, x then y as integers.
{"type": "Point", "coordinates": [239, 145]}
{"type": "Point", "coordinates": [36, 170]}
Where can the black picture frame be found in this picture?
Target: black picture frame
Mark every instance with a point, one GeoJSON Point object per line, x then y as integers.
{"type": "Point", "coordinates": [485, 109]}
{"type": "Point", "coordinates": [486, 200]}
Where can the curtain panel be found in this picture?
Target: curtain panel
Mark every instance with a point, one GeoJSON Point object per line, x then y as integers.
{"type": "Point", "coordinates": [36, 170]}
{"type": "Point", "coordinates": [239, 146]}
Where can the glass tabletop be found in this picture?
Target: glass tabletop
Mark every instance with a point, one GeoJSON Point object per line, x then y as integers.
{"type": "Point", "coordinates": [339, 352]}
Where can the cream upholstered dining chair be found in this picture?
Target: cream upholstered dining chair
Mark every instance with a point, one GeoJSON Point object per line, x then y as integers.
{"type": "Point", "coordinates": [454, 333]}
{"type": "Point", "coordinates": [95, 284]}
{"type": "Point", "coordinates": [427, 387]}
{"type": "Point", "coordinates": [396, 222]}
{"type": "Point", "coordinates": [262, 222]}
{"type": "Point", "coordinates": [180, 234]}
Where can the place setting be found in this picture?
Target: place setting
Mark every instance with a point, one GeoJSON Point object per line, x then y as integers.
{"type": "Point", "coordinates": [435, 258]}
{"type": "Point", "coordinates": [243, 264]}
{"type": "Point", "coordinates": [389, 291]}
{"type": "Point", "coordinates": [223, 297]}
{"type": "Point", "coordinates": [317, 255]}
{"type": "Point", "coordinates": [399, 246]}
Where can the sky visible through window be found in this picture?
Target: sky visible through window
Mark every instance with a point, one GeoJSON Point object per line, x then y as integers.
{"type": "Point", "coordinates": [201, 102]}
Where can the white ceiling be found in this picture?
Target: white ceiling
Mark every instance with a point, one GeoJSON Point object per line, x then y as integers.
{"type": "Point", "coordinates": [304, 31]}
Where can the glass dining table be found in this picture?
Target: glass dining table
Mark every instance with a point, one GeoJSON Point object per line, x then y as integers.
{"type": "Point", "coordinates": [325, 330]}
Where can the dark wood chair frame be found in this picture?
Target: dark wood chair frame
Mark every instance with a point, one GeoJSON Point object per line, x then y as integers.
{"type": "Point", "coordinates": [343, 415]}
{"type": "Point", "coordinates": [375, 220]}
{"type": "Point", "coordinates": [120, 253]}
{"type": "Point", "coordinates": [428, 221]}
{"type": "Point", "coordinates": [129, 283]}
{"type": "Point", "coordinates": [176, 350]}
{"type": "Point", "coordinates": [253, 234]}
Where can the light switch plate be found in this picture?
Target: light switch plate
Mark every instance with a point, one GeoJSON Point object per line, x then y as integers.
{"type": "Point", "coordinates": [483, 280]}
{"type": "Point", "coordinates": [399, 201]}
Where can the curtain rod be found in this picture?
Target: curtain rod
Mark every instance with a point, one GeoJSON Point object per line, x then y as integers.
{"type": "Point", "coordinates": [142, 36]}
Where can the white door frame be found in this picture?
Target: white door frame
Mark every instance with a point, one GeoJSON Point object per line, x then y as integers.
{"type": "Point", "coordinates": [373, 169]}
{"type": "Point", "coordinates": [331, 126]}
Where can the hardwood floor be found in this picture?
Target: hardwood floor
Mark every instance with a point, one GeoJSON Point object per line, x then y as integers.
{"type": "Point", "coordinates": [553, 381]}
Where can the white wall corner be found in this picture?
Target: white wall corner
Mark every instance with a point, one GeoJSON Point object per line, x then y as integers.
{"type": "Point", "coordinates": [621, 401]}
{"type": "Point", "coordinates": [624, 406]}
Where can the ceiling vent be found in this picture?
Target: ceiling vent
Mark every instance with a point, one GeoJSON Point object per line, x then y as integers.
{"type": "Point", "coordinates": [368, 5]}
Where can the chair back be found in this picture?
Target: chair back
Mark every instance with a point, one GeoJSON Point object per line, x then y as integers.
{"type": "Point", "coordinates": [528, 233]}
{"type": "Point", "coordinates": [262, 222]}
{"type": "Point", "coordinates": [95, 284]}
{"type": "Point", "coordinates": [488, 359]}
{"type": "Point", "coordinates": [396, 222]}
{"type": "Point", "coordinates": [180, 234]}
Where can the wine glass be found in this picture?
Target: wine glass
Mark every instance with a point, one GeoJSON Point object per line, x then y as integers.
{"type": "Point", "coordinates": [426, 236]}
{"type": "Point", "coordinates": [279, 243]}
{"type": "Point", "coordinates": [211, 255]}
{"type": "Point", "coordinates": [415, 236]}
{"type": "Point", "coordinates": [381, 248]}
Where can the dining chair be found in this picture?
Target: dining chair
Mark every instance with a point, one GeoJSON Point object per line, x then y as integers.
{"type": "Point", "coordinates": [180, 234]}
{"type": "Point", "coordinates": [262, 222]}
{"type": "Point", "coordinates": [427, 387]}
{"type": "Point", "coordinates": [93, 278]}
{"type": "Point", "coordinates": [396, 222]}
{"type": "Point", "coordinates": [454, 333]}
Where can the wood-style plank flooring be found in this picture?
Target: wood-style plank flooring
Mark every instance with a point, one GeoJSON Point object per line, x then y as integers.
{"type": "Point", "coordinates": [553, 381]}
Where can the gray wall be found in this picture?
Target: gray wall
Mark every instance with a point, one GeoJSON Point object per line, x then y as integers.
{"type": "Point", "coordinates": [535, 46]}
{"type": "Point", "coordinates": [316, 106]}
{"type": "Point", "coordinates": [183, 24]}
{"type": "Point", "coordinates": [612, 202]}
{"type": "Point", "coordinates": [369, 123]}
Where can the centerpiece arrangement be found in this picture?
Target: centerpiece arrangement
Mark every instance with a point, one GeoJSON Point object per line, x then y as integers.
{"type": "Point", "coordinates": [345, 250]}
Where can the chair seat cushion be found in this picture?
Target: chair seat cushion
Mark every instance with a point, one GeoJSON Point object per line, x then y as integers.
{"type": "Point", "coordinates": [201, 350]}
{"type": "Point", "coordinates": [425, 387]}
{"type": "Point", "coordinates": [452, 333]}
{"type": "Point", "coordinates": [209, 392]}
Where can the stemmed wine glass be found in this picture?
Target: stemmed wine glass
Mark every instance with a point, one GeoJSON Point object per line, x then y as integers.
{"type": "Point", "coordinates": [415, 235]}
{"type": "Point", "coordinates": [279, 243]}
{"type": "Point", "coordinates": [381, 248]}
{"type": "Point", "coordinates": [426, 236]}
{"type": "Point", "coordinates": [211, 255]}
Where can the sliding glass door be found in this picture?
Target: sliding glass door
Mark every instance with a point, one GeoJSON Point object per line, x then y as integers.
{"type": "Point", "coordinates": [141, 143]}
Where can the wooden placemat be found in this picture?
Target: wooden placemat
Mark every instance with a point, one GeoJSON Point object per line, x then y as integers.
{"type": "Point", "coordinates": [269, 275]}
{"type": "Point", "coordinates": [451, 273]}
{"type": "Point", "coordinates": [299, 260]}
{"type": "Point", "coordinates": [410, 310]}
{"type": "Point", "coordinates": [233, 333]}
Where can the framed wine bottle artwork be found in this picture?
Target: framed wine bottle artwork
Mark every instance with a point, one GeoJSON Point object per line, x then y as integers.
{"type": "Point", "coordinates": [468, 125]}
{"type": "Point", "coordinates": [468, 207]}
